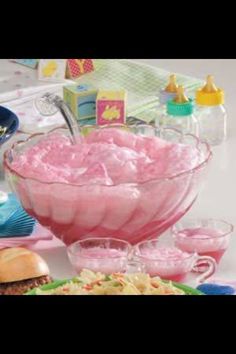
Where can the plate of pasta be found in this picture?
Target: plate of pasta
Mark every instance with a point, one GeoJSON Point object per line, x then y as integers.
{"type": "Point", "coordinates": [90, 283]}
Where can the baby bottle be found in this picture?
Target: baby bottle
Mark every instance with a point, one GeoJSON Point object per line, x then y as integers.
{"type": "Point", "coordinates": [179, 114]}
{"type": "Point", "coordinates": [166, 94]}
{"type": "Point", "coordinates": [211, 113]}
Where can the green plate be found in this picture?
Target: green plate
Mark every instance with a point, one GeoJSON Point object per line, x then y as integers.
{"type": "Point", "coordinates": [57, 283]}
{"type": "Point", "coordinates": [187, 289]}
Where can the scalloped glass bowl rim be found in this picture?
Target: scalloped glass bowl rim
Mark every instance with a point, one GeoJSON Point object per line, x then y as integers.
{"type": "Point", "coordinates": [160, 179]}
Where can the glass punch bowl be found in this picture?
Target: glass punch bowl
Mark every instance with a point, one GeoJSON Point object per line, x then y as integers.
{"type": "Point", "coordinates": [130, 211]}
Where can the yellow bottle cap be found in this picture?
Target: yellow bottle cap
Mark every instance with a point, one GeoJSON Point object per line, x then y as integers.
{"type": "Point", "coordinates": [209, 95]}
{"type": "Point", "coordinates": [180, 96]}
{"type": "Point", "coordinates": [172, 86]}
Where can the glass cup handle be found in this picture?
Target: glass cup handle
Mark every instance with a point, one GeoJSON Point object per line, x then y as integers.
{"type": "Point", "coordinates": [135, 266]}
{"type": "Point", "coordinates": [212, 265]}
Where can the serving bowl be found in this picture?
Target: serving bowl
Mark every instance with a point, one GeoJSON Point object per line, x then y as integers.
{"type": "Point", "coordinates": [128, 211]}
{"type": "Point", "coordinates": [9, 124]}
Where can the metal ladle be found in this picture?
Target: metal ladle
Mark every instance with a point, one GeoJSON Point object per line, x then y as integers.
{"type": "Point", "coordinates": [49, 104]}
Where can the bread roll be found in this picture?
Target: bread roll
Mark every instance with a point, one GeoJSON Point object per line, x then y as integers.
{"type": "Point", "coordinates": [20, 264]}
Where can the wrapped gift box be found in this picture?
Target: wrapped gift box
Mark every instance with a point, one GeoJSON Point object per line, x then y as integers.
{"type": "Point", "coordinates": [52, 69]}
{"type": "Point", "coordinates": [111, 107]}
{"type": "Point", "coordinates": [79, 67]}
{"type": "Point", "coordinates": [31, 63]}
{"type": "Point", "coordinates": [82, 100]}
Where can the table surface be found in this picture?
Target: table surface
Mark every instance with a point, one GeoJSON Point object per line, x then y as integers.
{"type": "Point", "coordinates": [216, 200]}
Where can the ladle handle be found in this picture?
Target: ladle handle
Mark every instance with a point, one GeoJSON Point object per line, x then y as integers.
{"type": "Point", "coordinates": [68, 117]}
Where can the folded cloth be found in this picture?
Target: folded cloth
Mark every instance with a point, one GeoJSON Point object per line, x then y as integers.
{"type": "Point", "coordinates": [8, 208]}
{"type": "Point", "coordinates": [14, 221]}
{"type": "Point", "coordinates": [39, 234]}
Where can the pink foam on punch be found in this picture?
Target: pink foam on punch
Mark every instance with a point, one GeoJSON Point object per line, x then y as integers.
{"type": "Point", "coordinates": [115, 156]}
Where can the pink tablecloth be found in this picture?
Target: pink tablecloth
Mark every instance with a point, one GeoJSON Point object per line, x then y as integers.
{"type": "Point", "coordinates": [40, 239]}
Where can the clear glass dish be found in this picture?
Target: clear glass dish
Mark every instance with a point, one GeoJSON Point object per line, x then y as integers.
{"type": "Point", "coordinates": [171, 263]}
{"type": "Point", "coordinates": [207, 237]}
{"type": "Point", "coordinates": [105, 255]}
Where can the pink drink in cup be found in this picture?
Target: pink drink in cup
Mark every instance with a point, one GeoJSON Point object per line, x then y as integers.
{"type": "Point", "coordinates": [170, 263]}
{"type": "Point", "coordinates": [206, 237]}
{"type": "Point", "coordinates": [105, 255]}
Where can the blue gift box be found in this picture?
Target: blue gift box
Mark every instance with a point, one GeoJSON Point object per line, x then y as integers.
{"type": "Point", "coordinates": [82, 100]}
{"type": "Point", "coordinates": [32, 63]}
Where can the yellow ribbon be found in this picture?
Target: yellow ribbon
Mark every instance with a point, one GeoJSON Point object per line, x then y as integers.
{"type": "Point", "coordinates": [80, 63]}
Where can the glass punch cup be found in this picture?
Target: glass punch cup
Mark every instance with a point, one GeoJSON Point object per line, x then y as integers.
{"type": "Point", "coordinates": [206, 237]}
{"type": "Point", "coordinates": [211, 113]}
{"type": "Point", "coordinates": [171, 263]}
{"type": "Point", "coordinates": [106, 255]}
{"type": "Point", "coordinates": [179, 114]}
